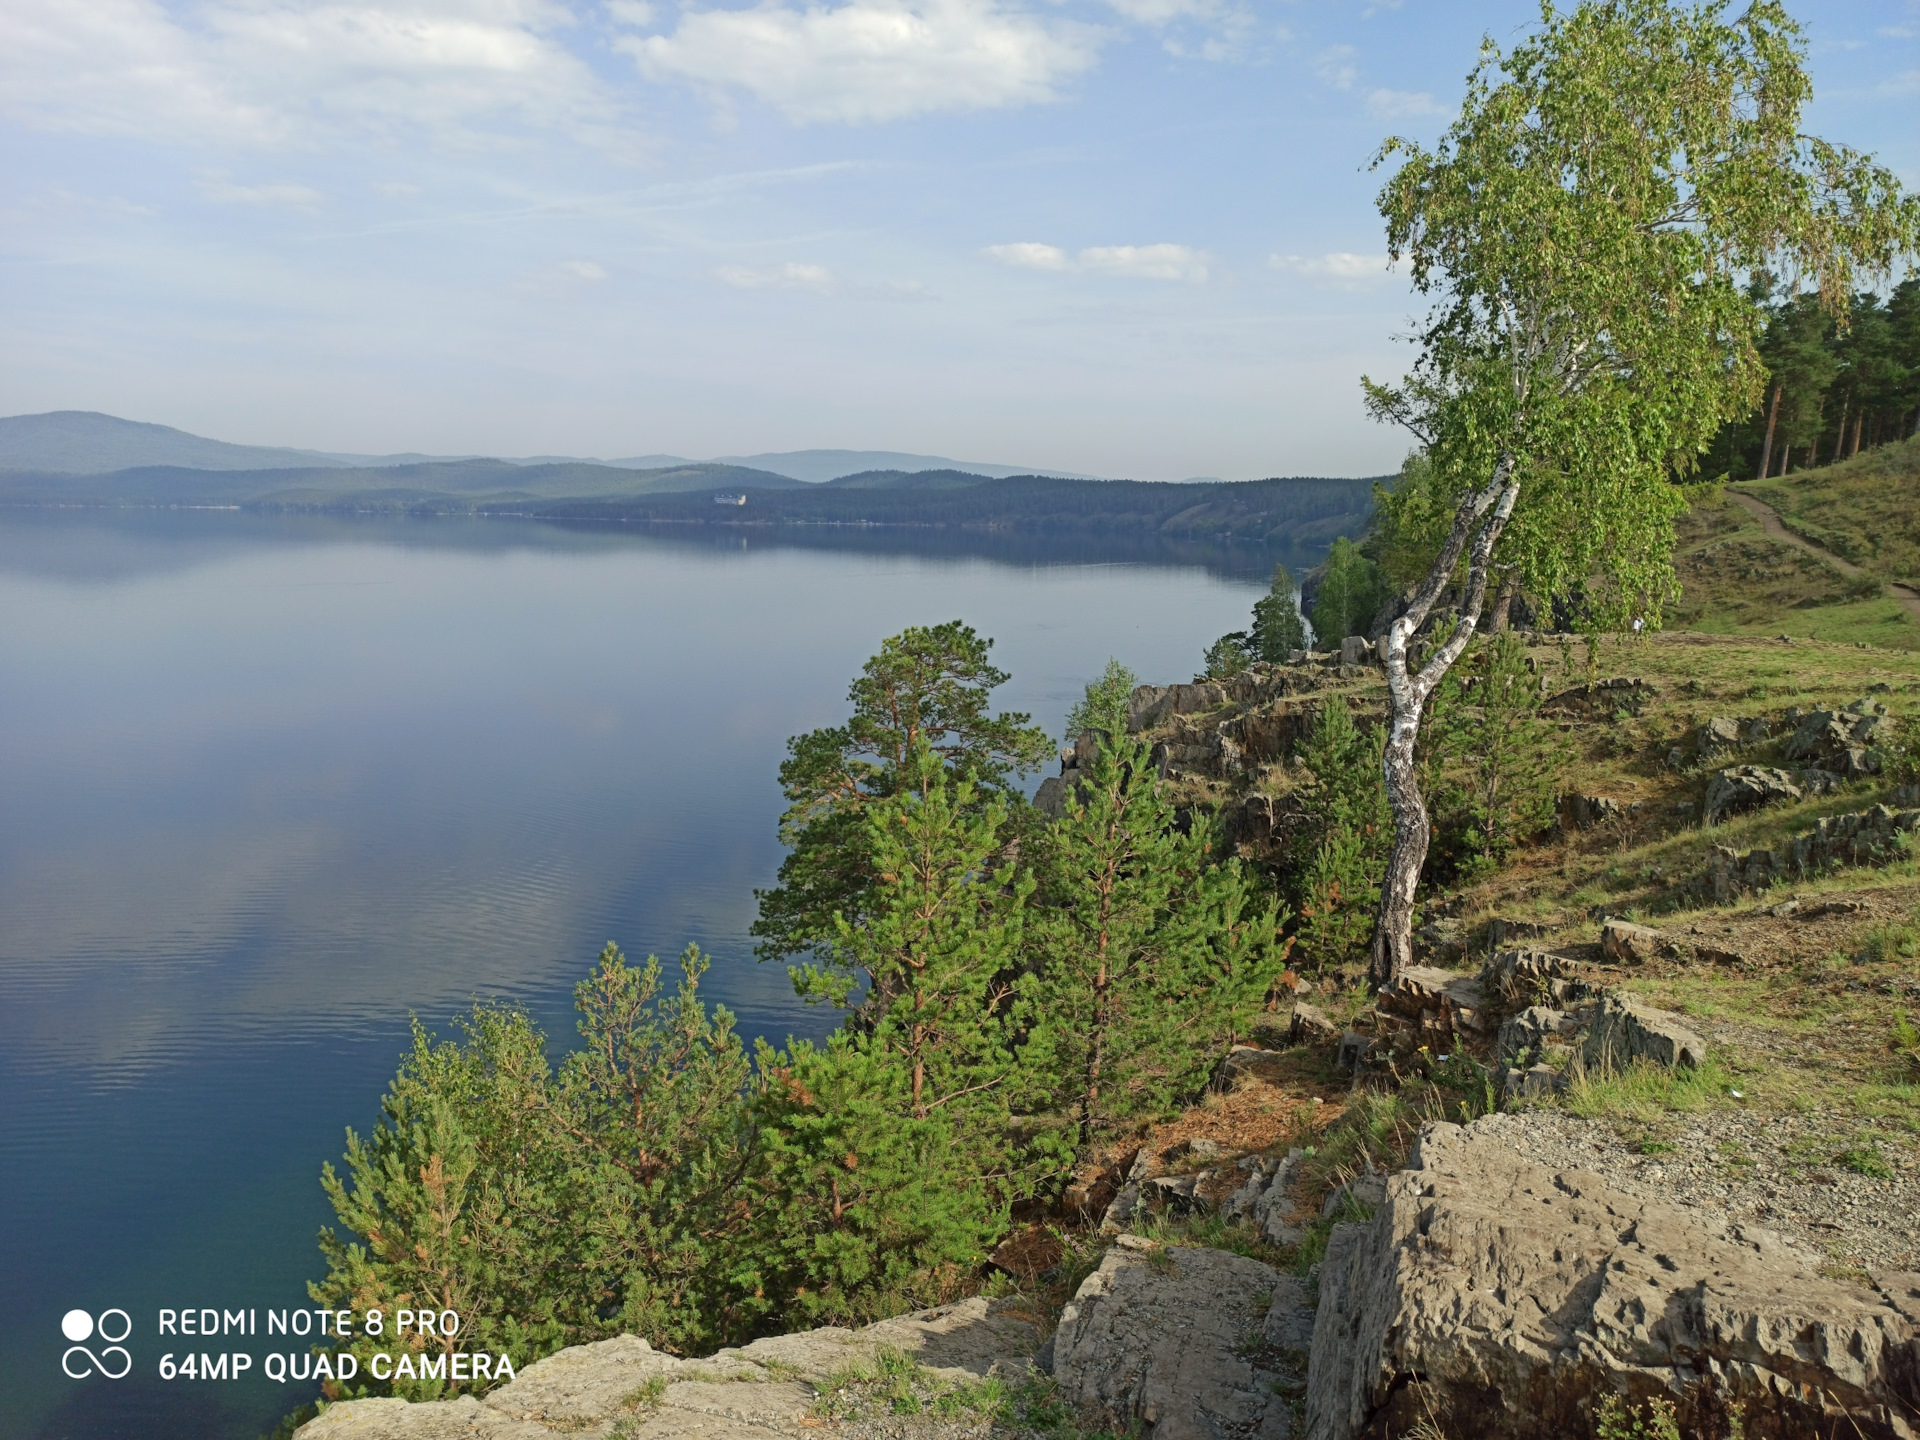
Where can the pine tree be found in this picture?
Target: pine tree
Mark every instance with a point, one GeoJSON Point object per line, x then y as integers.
{"type": "Point", "coordinates": [1149, 957]}
{"type": "Point", "coordinates": [1503, 762]}
{"type": "Point", "coordinates": [1277, 627]}
{"type": "Point", "coordinates": [936, 948]}
{"type": "Point", "coordinates": [1338, 864]}
{"type": "Point", "coordinates": [1228, 656]}
{"type": "Point", "coordinates": [927, 685]}
{"type": "Point", "coordinates": [863, 1208]}
{"type": "Point", "coordinates": [652, 1104]}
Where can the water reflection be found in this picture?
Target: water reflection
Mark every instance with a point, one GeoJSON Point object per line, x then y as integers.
{"type": "Point", "coordinates": [273, 783]}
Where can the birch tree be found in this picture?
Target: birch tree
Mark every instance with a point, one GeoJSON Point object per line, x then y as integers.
{"type": "Point", "coordinates": [1587, 231]}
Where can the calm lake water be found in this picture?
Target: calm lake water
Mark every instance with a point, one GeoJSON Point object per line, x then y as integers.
{"type": "Point", "coordinates": [270, 785]}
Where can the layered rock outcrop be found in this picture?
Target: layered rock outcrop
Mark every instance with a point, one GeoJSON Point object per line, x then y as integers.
{"type": "Point", "coordinates": [1864, 837]}
{"type": "Point", "coordinates": [1190, 1344]}
{"type": "Point", "coordinates": [755, 1392]}
{"type": "Point", "coordinates": [1509, 1300]}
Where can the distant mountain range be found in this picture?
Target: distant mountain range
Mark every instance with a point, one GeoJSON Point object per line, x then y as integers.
{"type": "Point", "coordinates": [85, 442]}
{"type": "Point", "coordinates": [79, 458]}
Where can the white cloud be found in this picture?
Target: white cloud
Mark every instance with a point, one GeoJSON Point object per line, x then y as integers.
{"type": "Point", "coordinates": [790, 276]}
{"type": "Point", "coordinates": [637, 13]}
{"type": "Point", "coordinates": [1335, 66]}
{"type": "Point", "coordinates": [1403, 104]}
{"type": "Point", "coordinates": [1341, 269]}
{"type": "Point", "coordinates": [1206, 29]}
{"type": "Point", "coordinates": [1030, 255]}
{"type": "Point", "coordinates": [283, 196]}
{"type": "Point", "coordinates": [268, 72]}
{"type": "Point", "coordinates": [583, 270]}
{"type": "Point", "coordinates": [873, 59]}
{"type": "Point", "coordinates": [1146, 262]}
{"type": "Point", "coordinates": [1140, 262]}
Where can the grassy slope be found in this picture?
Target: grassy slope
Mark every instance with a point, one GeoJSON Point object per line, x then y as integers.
{"type": "Point", "coordinates": [1735, 580]}
{"type": "Point", "coordinates": [1809, 1020]}
{"type": "Point", "coordinates": [1817, 1017]}
{"type": "Point", "coordinates": [1865, 508]}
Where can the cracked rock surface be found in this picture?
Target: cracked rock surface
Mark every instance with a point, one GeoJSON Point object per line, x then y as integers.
{"type": "Point", "coordinates": [625, 1387]}
{"type": "Point", "coordinates": [1514, 1296]}
{"type": "Point", "coordinates": [1190, 1344]}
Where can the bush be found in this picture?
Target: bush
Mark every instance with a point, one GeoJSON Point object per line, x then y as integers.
{"type": "Point", "coordinates": [1351, 591]}
{"type": "Point", "coordinates": [1338, 865]}
{"type": "Point", "coordinates": [1228, 656]}
{"type": "Point", "coordinates": [549, 1209]}
{"type": "Point", "coordinates": [1103, 709]}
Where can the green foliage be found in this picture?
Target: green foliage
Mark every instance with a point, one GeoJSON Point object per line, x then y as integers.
{"type": "Point", "coordinates": [549, 1209]}
{"type": "Point", "coordinates": [937, 948]}
{"type": "Point", "coordinates": [1277, 627]}
{"type": "Point", "coordinates": [1147, 958]}
{"type": "Point", "coordinates": [1338, 865]}
{"type": "Point", "coordinates": [1834, 390]}
{"type": "Point", "coordinates": [663, 1183]}
{"type": "Point", "coordinates": [867, 1203]}
{"type": "Point", "coordinates": [1588, 228]}
{"type": "Point", "coordinates": [1228, 656]}
{"type": "Point", "coordinates": [1350, 593]}
{"type": "Point", "coordinates": [661, 1146]}
{"type": "Point", "coordinates": [1103, 709]}
{"type": "Point", "coordinates": [1492, 766]}
{"type": "Point", "coordinates": [1410, 520]}
{"type": "Point", "coordinates": [927, 685]}
{"type": "Point", "coordinates": [1617, 1419]}
{"type": "Point", "coordinates": [1904, 1043]}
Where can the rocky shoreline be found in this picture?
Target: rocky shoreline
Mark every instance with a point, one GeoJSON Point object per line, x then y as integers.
{"type": "Point", "coordinates": [1511, 1277]}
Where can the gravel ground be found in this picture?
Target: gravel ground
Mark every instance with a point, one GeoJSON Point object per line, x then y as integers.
{"type": "Point", "coordinates": [1777, 1172]}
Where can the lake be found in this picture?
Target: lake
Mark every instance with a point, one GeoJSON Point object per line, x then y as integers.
{"type": "Point", "coordinates": [273, 784]}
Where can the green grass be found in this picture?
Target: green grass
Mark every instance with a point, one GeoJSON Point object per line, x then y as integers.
{"type": "Point", "coordinates": [1861, 508]}
{"type": "Point", "coordinates": [1643, 1092]}
{"type": "Point", "coordinates": [892, 1382]}
{"type": "Point", "coordinates": [1736, 580]}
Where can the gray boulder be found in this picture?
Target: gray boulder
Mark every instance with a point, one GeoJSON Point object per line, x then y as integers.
{"type": "Point", "coordinates": [1623, 1031]}
{"type": "Point", "coordinates": [1522, 974]}
{"type": "Point", "coordinates": [1523, 1297]}
{"type": "Point", "coordinates": [1536, 1082]}
{"type": "Point", "coordinates": [1629, 943]}
{"type": "Point", "coordinates": [624, 1386]}
{"type": "Point", "coordinates": [1310, 1025]}
{"type": "Point", "coordinates": [1716, 735]}
{"type": "Point", "coordinates": [1180, 1342]}
{"type": "Point", "coordinates": [1533, 1027]}
{"type": "Point", "coordinates": [1740, 788]}
{"type": "Point", "coordinates": [1582, 812]}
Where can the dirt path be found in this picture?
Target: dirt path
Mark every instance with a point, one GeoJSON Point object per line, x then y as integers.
{"type": "Point", "coordinates": [1770, 522]}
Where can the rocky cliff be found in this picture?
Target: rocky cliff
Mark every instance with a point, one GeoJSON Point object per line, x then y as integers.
{"type": "Point", "coordinates": [1488, 1296]}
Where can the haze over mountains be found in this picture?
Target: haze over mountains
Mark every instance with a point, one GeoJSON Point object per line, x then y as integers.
{"type": "Point", "coordinates": [79, 458]}
{"type": "Point", "coordinates": [86, 442]}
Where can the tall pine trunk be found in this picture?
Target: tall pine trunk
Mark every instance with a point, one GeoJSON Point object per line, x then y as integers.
{"type": "Point", "coordinates": [1481, 516]}
{"type": "Point", "coordinates": [1766, 449]}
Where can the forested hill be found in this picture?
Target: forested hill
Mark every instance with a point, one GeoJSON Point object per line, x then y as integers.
{"type": "Point", "coordinates": [439, 487]}
{"type": "Point", "coordinates": [1298, 509]}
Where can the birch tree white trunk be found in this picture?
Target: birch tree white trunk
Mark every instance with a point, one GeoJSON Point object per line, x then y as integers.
{"type": "Point", "coordinates": [1482, 515]}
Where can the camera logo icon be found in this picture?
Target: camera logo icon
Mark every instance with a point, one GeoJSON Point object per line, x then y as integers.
{"type": "Point", "coordinates": [113, 1361]}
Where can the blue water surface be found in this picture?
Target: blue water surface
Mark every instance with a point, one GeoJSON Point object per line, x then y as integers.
{"type": "Point", "coordinates": [269, 785]}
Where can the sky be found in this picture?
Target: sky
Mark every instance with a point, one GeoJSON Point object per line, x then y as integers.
{"type": "Point", "coordinates": [1125, 237]}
